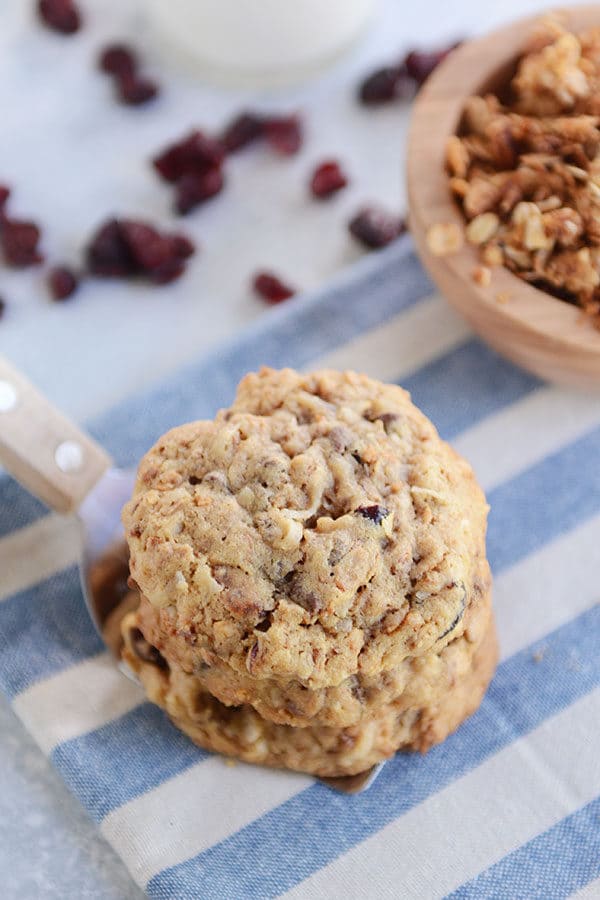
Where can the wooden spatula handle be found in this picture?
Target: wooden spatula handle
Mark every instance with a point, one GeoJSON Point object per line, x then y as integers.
{"type": "Point", "coordinates": [42, 449]}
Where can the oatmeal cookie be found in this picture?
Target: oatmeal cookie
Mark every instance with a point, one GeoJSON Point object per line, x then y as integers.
{"type": "Point", "coordinates": [298, 553]}
{"type": "Point", "coordinates": [453, 691]}
{"type": "Point", "coordinates": [290, 702]}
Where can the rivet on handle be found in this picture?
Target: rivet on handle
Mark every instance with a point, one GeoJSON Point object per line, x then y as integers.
{"type": "Point", "coordinates": [69, 456]}
{"type": "Point", "coordinates": [8, 396]}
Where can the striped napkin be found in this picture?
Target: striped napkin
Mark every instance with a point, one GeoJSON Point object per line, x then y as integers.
{"type": "Point", "coordinates": [509, 806]}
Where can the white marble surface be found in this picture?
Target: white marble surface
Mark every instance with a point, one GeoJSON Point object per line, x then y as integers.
{"type": "Point", "coordinates": [48, 846]}
{"type": "Point", "coordinates": [73, 157]}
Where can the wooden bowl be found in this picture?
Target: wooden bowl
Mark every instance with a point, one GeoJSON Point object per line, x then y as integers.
{"type": "Point", "coordinates": [543, 334]}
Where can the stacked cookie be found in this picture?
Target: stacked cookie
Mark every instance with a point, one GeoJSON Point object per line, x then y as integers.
{"type": "Point", "coordinates": [314, 587]}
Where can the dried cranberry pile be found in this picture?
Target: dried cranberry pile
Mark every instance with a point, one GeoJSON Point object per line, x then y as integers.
{"type": "Point", "coordinates": [400, 81]}
{"type": "Point", "coordinates": [124, 248]}
{"type": "Point", "coordinates": [120, 248]}
{"type": "Point", "coordinates": [121, 63]}
{"type": "Point", "coordinates": [194, 165]}
{"type": "Point", "coordinates": [282, 133]}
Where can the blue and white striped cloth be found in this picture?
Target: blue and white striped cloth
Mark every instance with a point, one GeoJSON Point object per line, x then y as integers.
{"type": "Point", "coordinates": [509, 806]}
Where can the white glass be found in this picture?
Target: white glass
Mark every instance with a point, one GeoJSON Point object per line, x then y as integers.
{"type": "Point", "coordinates": [260, 40]}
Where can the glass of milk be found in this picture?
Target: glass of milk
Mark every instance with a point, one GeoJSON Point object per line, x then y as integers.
{"type": "Point", "coordinates": [260, 41]}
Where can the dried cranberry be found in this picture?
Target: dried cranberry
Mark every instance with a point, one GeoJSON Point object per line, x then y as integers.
{"type": "Point", "coordinates": [20, 242]}
{"type": "Point", "coordinates": [284, 134]}
{"type": "Point", "coordinates": [108, 255]}
{"type": "Point", "coordinates": [62, 283]}
{"type": "Point", "coordinates": [118, 59]}
{"type": "Point", "coordinates": [124, 247]}
{"type": "Point", "coordinates": [382, 85]}
{"type": "Point", "coordinates": [376, 228]}
{"type": "Point", "coordinates": [241, 131]}
{"type": "Point", "coordinates": [169, 271]}
{"type": "Point", "coordinates": [374, 513]}
{"type": "Point", "coordinates": [194, 153]}
{"type": "Point", "coordinates": [420, 64]}
{"type": "Point", "coordinates": [147, 246]}
{"type": "Point", "coordinates": [182, 246]}
{"type": "Point", "coordinates": [160, 256]}
{"type": "Point", "coordinates": [197, 187]}
{"type": "Point", "coordinates": [271, 288]}
{"type": "Point", "coordinates": [134, 90]}
{"type": "Point", "coordinates": [19, 239]}
{"type": "Point", "coordinates": [60, 15]}
{"type": "Point", "coordinates": [327, 179]}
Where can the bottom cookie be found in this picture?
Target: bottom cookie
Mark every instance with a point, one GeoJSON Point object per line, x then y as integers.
{"type": "Point", "coordinates": [240, 731]}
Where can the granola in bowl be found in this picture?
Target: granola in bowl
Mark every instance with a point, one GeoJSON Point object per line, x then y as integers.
{"type": "Point", "coordinates": [525, 169]}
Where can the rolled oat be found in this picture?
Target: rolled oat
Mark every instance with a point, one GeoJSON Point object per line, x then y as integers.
{"type": "Point", "coordinates": [445, 238]}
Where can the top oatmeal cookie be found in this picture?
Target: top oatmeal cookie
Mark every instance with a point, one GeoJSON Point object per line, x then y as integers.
{"type": "Point", "coordinates": [317, 530]}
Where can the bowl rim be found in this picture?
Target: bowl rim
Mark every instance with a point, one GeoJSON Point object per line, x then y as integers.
{"type": "Point", "coordinates": [435, 116]}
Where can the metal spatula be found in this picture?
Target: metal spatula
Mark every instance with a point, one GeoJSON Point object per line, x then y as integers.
{"type": "Point", "coordinates": [69, 472]}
